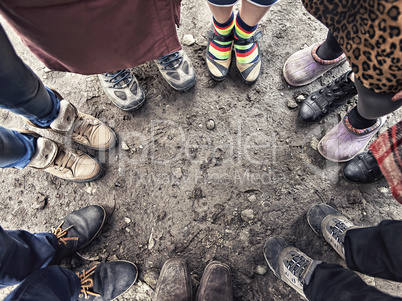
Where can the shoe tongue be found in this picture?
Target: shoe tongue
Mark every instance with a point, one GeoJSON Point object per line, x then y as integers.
{"type": "Point", "coordinates": [46, 151]}
{"type": "Point", "coordinates": [66, 117]}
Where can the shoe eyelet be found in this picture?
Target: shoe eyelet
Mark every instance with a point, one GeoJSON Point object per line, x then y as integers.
{"type": "Point", "coordinates": [313, 97]}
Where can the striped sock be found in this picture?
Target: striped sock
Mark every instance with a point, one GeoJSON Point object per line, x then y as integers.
{"type": "Point", "coordinates": [245, 54]}
{"type": "Point", "coordinates": [222, 50]}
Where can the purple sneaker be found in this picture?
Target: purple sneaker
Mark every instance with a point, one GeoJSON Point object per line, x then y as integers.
{"type": "Point", "coordinates": [343, 142]}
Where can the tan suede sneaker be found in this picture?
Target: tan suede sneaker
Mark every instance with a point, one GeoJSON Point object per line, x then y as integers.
{"type": "Point", "coordinates": [82, 128]}
{"type": "Point", "coordinates": [67, 164]}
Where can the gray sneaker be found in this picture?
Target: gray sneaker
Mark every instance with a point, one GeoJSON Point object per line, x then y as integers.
{"type": "Point", "coordinates": [177, 69]}
{"type": "Point", "coordinates": [329, 224]}
{"type": "Point", "coordinates": [289, 264]}
{"type": "Point", "coordinates": [123, 89]}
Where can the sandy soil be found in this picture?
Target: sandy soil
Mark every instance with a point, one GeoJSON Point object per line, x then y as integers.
{"type": "Point", "coordinates": [183, 190]}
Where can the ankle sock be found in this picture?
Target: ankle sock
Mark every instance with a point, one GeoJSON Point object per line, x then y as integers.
{"type": "Point", "coordinates": [245, 54]}
{"type": "Point", "coordinates": [222, 50]}
{"type": "Point", "coordinates": [330, 49]}
{"type": "Point", "coordinates": [358, 121]}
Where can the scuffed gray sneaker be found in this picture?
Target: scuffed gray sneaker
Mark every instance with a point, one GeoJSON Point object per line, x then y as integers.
{"type": "Point", "coordinates": [177, 69]}
{"type": "Point", "coordinates": [123, 89]}
{"type": "Point", "coordinates": [329, 224]}
{"type": "Point", "coordinates": [289, 264]}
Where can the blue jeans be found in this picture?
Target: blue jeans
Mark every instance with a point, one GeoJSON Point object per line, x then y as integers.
{"type": "Point", "coordinates": [25, 259]}
{"type": "Point", "coordinates": [23, 93]}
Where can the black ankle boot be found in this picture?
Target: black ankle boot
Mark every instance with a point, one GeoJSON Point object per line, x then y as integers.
{"type": "Point", "coordinates": [77, 230]}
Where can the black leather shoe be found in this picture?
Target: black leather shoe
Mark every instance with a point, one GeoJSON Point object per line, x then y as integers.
{"type": "Point", "coordinates": [362, 169]}
{"type": "Point", "coordinates": [320, 103]}
{"type": "Point", "coordinates": [77, 230]}
{"type": "Point", "coordinates": [216, 283]}
{"type": "Point", "coordinates": [107, 281]}
{"type": "Point", "coordinates": [174, 283]}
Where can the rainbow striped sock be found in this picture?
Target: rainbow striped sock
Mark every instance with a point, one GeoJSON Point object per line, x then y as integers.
{"type": "Point", "coordinates": [245, 54]}
{"type": "Point", "coordinates": [222, 50]}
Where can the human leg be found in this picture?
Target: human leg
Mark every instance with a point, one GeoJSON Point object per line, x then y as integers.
{"type": "Point", "coordinates": [16, 149]}
{"type": "Point", "coordinates": [22, 253]}
{"type": "Point", "coordinates": [220, 43]}
{"type": "Point", "coordinates": [21, 91]}
{"type": "Point", "coordinates": [332, 282]}
{"type": "Point", "coordinates": [49, 283]}
{"type": "Point", "coordinates": [105, 281]}
{"type": "Point", "coordinates": [316, 280]}
{"type": "Point", "coordinates": [356, 245]}
{"type": "Point", "coordinates": [247, 51]}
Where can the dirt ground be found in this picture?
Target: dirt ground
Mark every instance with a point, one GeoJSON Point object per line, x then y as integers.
{"type": "Point", "coordinates": [175, 188]}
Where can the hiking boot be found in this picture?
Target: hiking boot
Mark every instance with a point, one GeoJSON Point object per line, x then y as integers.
{"type": "Point", "coordinates": [123, 89]}
{"type": "Point", "coordinates": [81, 128]}
{"type": "Point", "coordinates": [177, 69]}
{"type": "Point", "coordinates": [289, 264]}
{"type": "Point", "coordinates": [174, 283]}
{"type": "Point", "coordinates": [304, 66]}
{"type": "Point", "coordinates": [321, 102]}
{"type": "Point", "coordinates": [67, 164]}
{"type": "Point", "coordinates": [107, 281]}
{"type": "Point", "coordinates": [362, 169]}
{"type": "Point", "coordinates": [77, 230]}
{"type": "Point", "coordinates": [216, 283]}
{"type": "Point", "coordinates": [329, 224]}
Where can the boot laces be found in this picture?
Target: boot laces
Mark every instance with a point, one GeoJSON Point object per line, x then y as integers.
{"type": "Point", "coordinates": [61, 233]}
{"type": "Point", "coordinates": [83, 127]}
{"type": "Point", "coordinates": [337, 230]}
{"type": "Point", "coordinates": [120, 79]}
{"type": "Point", "coordinates": [171, 61]}
{"type": "Point", "coordinates": [297, 265]}
{"type": "Point", "coordinates": [87, 283]}
{"type": "Point", "coordinates": [64, 160]}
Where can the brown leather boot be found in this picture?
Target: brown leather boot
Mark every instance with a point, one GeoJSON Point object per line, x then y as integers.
{"type": "Point", "coordinates": [81, 128]}
{"type": "Point", "coordinates": [67, 164]}
{"type": "Point", "coordinates": [174, 283]}
{"type": "Point", "coordinates": [216, 283]}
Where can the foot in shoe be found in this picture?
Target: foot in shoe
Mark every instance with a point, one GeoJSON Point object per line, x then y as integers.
{"type": "Point", "coordinates": [219, 51]}
{"type": "Point", "coordinates": [320, 103]}
{"type": "Point", "coordinates": [123, 89]}
{"type": "Point", "coordinates": [362, 169]}
{"type": "Point", "coordinates": [177, 69]}
{"type": "Point", "coordinates": [66, 164]}
{"type": "Point", "coordinates": [343, 142]}
{"type": "Point", "coordinates": [174, 283]}
{"type": "Point", "coordinates": [248, 59]}
{"type": "Point", "coordinates": [77, 230]}
{"type": "Point", "coordinates": [107, 281]}
{"type": "Point", "coordinates": [305, 66]}
{"type": "Point", "coordinates": [81, 128]}
{"type": "Point", "coordinates": [329, 224]}
{"type": "Point", "coordinates": [289, 264]}
{"type": "Point", "coordinates": [216, 283]}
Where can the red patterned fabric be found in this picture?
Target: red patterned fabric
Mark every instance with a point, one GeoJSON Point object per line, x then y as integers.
{"type": "Point", "coordinates": [387, 150]}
